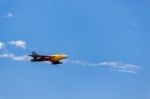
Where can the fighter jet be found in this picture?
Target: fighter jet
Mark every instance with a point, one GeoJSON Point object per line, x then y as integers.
{"type": "Point", "coordinates": [54, 59]}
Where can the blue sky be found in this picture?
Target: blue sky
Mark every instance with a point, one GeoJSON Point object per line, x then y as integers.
{"type": "Point", "coordinates": [101, 37]}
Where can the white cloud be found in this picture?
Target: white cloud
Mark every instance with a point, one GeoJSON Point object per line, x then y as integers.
{"type": "Point", "coordinates": [18, 43]}
{"type": "Point", "coordinates": [4, 53]}
{"type": "Point", "coordinates": [117, 66]}
{"type": "Point", "coordinates": [133, 23]}
{"type": "Point", "coordinates": [2, 45]}
{"type": "Point", "coordinates": [9, 15]}
{"type": "Point", "coordinates": [14, 57]}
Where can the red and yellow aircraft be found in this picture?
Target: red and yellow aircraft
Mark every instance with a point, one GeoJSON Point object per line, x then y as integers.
{"type": "Point", "coordinates": [55, 59]}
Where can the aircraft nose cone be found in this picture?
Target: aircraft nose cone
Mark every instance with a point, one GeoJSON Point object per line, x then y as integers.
{"type": "Point", "coordinates": [65, 56]}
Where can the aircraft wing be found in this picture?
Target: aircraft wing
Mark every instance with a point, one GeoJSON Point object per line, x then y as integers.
{"type": "Point", "coordinates": [42, 56]}
{"type": "Point", "coordinates": [39, 56]}
{"type": "Point", "coordinates": [57, 62]}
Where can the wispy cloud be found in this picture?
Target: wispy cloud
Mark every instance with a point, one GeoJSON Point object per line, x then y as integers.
{"type": "Point", "coordinates": [18, 43]}
{"type": "Point", "coordinates": [117, 66]}
{"type": "Point", "coordinates": [120, 66]}
{"type": "Point", "coordinates": [14, 57]}
{"type": "Point", "coordinates": [113, 65]}
{"type": "Point", "coordinates": [2, 45]}
{"type": "Point", "coordinates": [133, 23]}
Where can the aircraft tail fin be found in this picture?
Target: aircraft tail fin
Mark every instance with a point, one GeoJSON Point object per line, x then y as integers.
{"type": "Point", "coordinates": [34, 53]}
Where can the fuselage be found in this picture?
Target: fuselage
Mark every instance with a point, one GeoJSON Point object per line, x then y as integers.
{"type": "Point", "coordinates": [55, 59]}
{"type": "Point", "coordinates": [58, 57]}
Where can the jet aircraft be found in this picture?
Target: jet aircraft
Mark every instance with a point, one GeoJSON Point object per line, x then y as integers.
{"type": "Point", "coordinates": [54, 59]}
